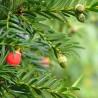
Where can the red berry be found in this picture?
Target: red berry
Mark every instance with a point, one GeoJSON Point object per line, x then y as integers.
{"type": "Point", "coordinates": [14, 60]}
{"type": "Point", "coordinates": [45, 61]}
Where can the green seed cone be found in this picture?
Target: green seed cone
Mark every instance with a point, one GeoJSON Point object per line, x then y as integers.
{"type": "Point", "coordinates": [81, 18]}
{"type": "Point", "coordinates": [79, 8]}
{"type": "Point", "coordinates": [62, 61]}
{"type": "Point", "coordinates": [63, 64]}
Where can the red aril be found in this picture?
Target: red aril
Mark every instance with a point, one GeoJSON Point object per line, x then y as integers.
{"type": "Point", "coordinates": [14, 60]}
{"type": "Point", "coordinates": [45, 61]}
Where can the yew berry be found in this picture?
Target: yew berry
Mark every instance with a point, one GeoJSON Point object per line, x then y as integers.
{"type": "Point", "coordinates": [14, 60]}
{"type": "Point", "coordinates": [45, 61]}
{"type": "Point", "coordinates": [79, 8]}
{"type": "Point", "coordinates": [62, 61]}
{"type": "Point", "coordinates": [81, 18]}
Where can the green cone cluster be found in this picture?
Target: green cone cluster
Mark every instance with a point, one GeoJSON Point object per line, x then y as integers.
{"type": "Point", "coordinates": [79, 12]}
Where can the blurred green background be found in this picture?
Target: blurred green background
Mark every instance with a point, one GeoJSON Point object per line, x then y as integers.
{"type": "Point", "coordinates": [86, 62]}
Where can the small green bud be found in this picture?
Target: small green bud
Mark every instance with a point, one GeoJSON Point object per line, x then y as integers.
{"type": "Point", "coordinates": [62, 61]}
{"type": "Point", "coordinates": [79, 8]}
{"type": "Point", "coordinates": [81, 18]}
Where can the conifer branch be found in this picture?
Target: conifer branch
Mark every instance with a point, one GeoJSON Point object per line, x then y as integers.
{"type": "Point", "coordinates": [55, 9]}
{"type": "Point", "coordinates": [25, 19]}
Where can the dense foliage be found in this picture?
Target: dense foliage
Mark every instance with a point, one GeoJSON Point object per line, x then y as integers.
{"type": "Point", "coordinates": [22, 26]}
